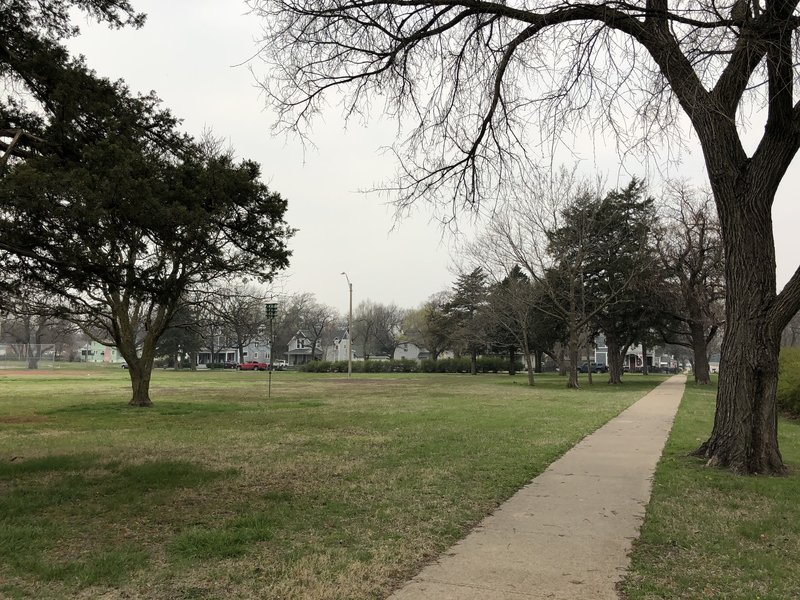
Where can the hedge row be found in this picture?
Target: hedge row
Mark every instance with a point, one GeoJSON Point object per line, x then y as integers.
{"type": "Point", "coordinates": [789, 380]}
{"type": "Point", "coordinates": [448, 365]}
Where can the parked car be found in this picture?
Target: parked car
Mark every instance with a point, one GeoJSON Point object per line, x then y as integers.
{"type": "Point", "coordinates": [280, 365]}
{"type": "Point", "coordinates": [596, 368]}
{"type": "Point", "coordinates": [252, 365]}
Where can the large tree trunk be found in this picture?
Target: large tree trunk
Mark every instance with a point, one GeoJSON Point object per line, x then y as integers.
{"type": "Point", "coordinates": [529, 366]}
{"type": "Point", "coordinates": [473, 361]}
{"type": "Point", "coordinates": [512, 357]}
{"type": "Point", "coordinates": [745, 433]}
{"type": "Point", "coordinates": [140, 366]}
{"type": "Point", "coordinates": [615, 359]}
{"type": "Point", "coordinates": [539, 354]}
{"type": "Point", "coordinates": [140, 371]}
{"type": "Point", "coordinates": [526, 352]}
{"type": "Point", "coordinates": [702, 372]}
{"type": "Point", "coordinates": [574, 349]}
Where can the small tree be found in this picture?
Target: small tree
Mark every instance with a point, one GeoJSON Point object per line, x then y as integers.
{"type": "Point", "coordinates": [467, 312]}
{"type": "Point", "coordinates": [512, 310]}
{"type": "Point", "coordinates": [427, 326]}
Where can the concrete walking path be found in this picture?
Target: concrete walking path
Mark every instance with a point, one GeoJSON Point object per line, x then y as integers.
{"type": "Point", "coordinates": [567, 534]}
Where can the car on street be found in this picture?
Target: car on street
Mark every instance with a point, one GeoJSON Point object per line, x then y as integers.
{"type": "Point", "coordinates": [596, 368]}
{"type": "Point", "coordinates": [252, 365]}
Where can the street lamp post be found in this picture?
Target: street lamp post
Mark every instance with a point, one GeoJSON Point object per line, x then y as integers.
{"type": "Point", "coordinates": [271, 312]}
{"type": "Point", "coordinates": [349, 329]}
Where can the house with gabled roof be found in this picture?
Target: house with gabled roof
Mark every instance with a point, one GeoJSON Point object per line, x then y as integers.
{"type": "Point", "coordinates": [299, 350]}
{"type": "Point", "coordinates": [337, 350]}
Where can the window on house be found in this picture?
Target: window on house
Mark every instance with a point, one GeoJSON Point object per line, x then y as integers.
{"type": "Point", "coordinates": [255, 354]}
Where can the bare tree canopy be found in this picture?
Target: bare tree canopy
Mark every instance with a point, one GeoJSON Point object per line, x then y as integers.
{"type": "Point", "coordinates": [485, 82]}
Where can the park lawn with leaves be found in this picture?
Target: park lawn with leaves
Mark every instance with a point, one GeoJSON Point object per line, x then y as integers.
{"type": "Point", "coordinates": [711, 534]}
{"type": "Point", "coordinates": [330, 489]}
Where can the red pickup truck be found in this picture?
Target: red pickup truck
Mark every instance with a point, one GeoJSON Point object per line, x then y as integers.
{"type": "Point", "coordinates": [253, 365]}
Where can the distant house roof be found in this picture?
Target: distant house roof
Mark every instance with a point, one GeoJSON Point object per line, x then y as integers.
{"type": "Point", "coordinates": [304, 351]}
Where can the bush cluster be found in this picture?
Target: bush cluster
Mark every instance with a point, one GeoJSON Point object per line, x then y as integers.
{"type": "Point", "coordinates": [789, 380]}
{"type": "Point", "coordinates": [361, 366]}
{"type": "Point", "coordinates": [487, 364]}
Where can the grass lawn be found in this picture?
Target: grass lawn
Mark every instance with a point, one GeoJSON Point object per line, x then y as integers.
{"type": "Point", "coordinates": [710, 534]}
{"type": "Point", "coordinates": [331, 489]}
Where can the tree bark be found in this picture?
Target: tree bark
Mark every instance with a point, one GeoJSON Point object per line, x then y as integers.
{"type": "Point", "coordinates": [539, 357]}
{"type": "Point", "coordinates": [530, 368]}
{"type": "Point", "coordinates": [140, 371]}
{"type": "Point", "coordinates": [574, 349]}
{"type": "Point", "coordinates": [614, 361]}
{"type": "Point", "coordinates": [745, 433]}
{"type": "Point", "coordinates": [473, 362]}
{"type": "Point", "coordinates": [33, 357]}
{"type": "Point", "coordinates": [702, 372]}
{"type": "Point", "coordinates": [512, 355]}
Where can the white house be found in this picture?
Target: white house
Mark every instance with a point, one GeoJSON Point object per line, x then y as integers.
{"type": "Point", "coordinates": [412, 351]}
{"type": "Point", "coordinates": [338, 349]}
{"type": "Point", "coordinates": [299, 351]}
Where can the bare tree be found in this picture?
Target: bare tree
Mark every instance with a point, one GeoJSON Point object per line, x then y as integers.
{"type": "Point", "coordinates": [365, 324]}
{"type": "Point", "coordinates": [291, 315]}
{"type": "Point", "coordinates": [389, 332]}
{"type": "Point", "coordinates": [318, 323]}
{"type": "Point", "coordinates": [475, 77]}
{"type": "Point", "coordinates": [32, 327]}
{"type": "Point", "coordinates": [692, 256]}
{"type": "Point", "coordinates": [239, 311]}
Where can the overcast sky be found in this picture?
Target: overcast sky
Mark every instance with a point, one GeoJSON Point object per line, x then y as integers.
{"type": "Point", "coordinates": [188, 51]}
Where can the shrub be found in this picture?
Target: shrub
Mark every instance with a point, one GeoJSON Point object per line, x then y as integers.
{"type": "Point", "coordinates": [789, 380]}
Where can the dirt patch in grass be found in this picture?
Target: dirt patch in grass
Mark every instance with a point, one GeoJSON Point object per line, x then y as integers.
{"type": "Point", "coordinates": [42, 372]}
{"type": "Point", "coordinates": [362, 380]}
{"type": "Point", "coordinates": [23, 419]}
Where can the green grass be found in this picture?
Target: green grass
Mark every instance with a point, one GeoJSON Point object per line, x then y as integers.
{"type": "Point", "coordinates": [331, 489]}
{"type": "Point", "coordinates": [710, 534]}
{"type": "Point", "coordinates": [789, 381]}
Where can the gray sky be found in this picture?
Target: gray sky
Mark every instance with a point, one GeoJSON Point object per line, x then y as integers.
{"type": "Point", "coordinates": [187, 52]}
